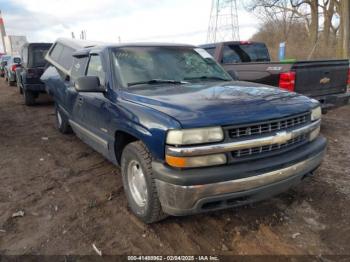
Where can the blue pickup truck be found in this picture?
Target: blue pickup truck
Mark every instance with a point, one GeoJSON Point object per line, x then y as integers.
{"type": "Point", "coordinates": [188, 138]}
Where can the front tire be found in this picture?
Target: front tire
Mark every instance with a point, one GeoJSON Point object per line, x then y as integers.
{"type": "Point", "coordinates": [139, 183]}
{"type": "Point", "coordinates": [62, 122]}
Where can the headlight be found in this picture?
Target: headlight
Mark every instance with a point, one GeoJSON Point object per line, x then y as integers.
{"type": "Point", "coordinates": [197, 161]}
{"type": "Point", "coordinates": [195, 136]}
{"type": "Point", "coordinates": [316, 113]}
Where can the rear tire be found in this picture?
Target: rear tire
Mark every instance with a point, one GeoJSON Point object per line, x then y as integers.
{"type": "Point", "coordinates": [62, 122]}
{"type": "Point", "coordinates": [19, 86]}
{"type": "Point", "coordinates": [29, 98]}
{"type": "Point", "coordinates": [139, 183]}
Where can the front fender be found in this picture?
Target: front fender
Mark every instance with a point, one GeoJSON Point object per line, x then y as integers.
{"type": "Point", "coordinates": [53, 81]}
{"type": "Point", "coordinates": [146, 124]}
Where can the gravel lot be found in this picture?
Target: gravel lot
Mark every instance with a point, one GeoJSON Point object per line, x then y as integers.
{"type": "Point", "coordinates": [72, 198]}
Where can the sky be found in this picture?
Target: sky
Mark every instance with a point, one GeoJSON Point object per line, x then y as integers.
{"type": "Point", "coordinates": [181, 21]}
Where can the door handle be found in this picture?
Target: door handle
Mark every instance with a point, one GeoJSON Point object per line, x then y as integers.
{"type": "Point", "coordinates": [80, 100]}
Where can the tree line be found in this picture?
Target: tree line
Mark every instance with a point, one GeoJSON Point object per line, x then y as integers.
{"type": "Point", "coordinates": [310, 28]}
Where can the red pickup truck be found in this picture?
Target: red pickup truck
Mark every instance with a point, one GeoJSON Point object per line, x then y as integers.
{"type": "Point", "coordinates": [324, 80]}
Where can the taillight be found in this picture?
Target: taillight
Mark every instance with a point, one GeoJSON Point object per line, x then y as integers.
{"type": "Point", "coordinates": [245, 42]}
{"type": "Point", "coordinates": [31, 73]}
{"type": "Point", "coordinates": [13, 68]}
{"type": "Point", "coordinates": [287, 81]}
{"type": "Point", "coordinates": [349, 77]}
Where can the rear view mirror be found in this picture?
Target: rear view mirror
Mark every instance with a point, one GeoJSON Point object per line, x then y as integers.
{"type": "Point", "coordinates": [89, 84]}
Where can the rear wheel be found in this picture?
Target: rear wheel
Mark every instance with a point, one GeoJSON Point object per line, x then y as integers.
{"type": "Point", "coordinates": [139, 183]}
{"type": "Point", "coordinates": [29, 98]}
{"type": "Point", "coordinates": [19, 86]}
{"type": "Point", "coordinates": [62, 122]}
{"type": "Point", "coordinates": [9, 82]}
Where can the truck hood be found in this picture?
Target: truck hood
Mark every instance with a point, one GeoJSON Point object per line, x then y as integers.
{"type": "Point", "coordinates": [219, 103]}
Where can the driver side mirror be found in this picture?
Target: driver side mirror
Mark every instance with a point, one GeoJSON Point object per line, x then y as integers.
{"type": "Point", "coordinates": [89, 84]}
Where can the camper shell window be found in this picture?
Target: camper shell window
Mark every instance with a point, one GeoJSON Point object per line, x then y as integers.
{"type": "Point", "coordinates": [62, 55]}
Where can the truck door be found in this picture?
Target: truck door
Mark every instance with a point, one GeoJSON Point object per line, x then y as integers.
{"type": "Point", "coordinates": [94, 117]}
{"type": "Point", "coordinates": [73, 104]}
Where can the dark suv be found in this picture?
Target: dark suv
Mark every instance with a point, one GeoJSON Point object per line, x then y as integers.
{"type": "Point", "coordinates": [33, 65]}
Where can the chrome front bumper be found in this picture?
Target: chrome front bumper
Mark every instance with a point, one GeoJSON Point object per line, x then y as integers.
{"type": "Point", "coordinates": [183, 200]}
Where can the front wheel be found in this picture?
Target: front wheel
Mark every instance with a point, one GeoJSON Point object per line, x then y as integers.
{"type": "Point", "coordinates": [62, 122]}
{"type": "Point", "coordinates": [139, 183]}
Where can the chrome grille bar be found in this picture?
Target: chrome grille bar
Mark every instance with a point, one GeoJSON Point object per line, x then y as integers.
{"type": "Point", "coordinates": [271, 126]}
{"type": "Point", "coordinates": [279, 138]}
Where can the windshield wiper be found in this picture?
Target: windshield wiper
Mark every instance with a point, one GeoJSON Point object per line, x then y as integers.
{"type": "Point", "coordinates": [157, 81]}
{"type": "Point", "coordinates": [208, 78]}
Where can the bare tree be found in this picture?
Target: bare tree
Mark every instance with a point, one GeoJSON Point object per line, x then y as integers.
{"type": "Point", "coordinates": [321, 19]}
{"type": "Point", "coordinates": [306, 10]}
{"type": "Point", "coordinates": [328, 12]}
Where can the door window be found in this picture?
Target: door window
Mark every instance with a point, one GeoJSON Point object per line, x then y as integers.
{"type": "Point", "coordinates": [79, 67]}
{"type": "Point", "coordinates": [236, 53]}
{"type": "Point", "coordinates": [229, 55]}
{"type": "Point", "coordinates": [211, 50]}
{"type": "Point", "coordinates": [95, 68]}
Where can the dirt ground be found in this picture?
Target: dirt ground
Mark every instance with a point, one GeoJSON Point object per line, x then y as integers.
{"type": "Point", "coordinates": [72, 198]}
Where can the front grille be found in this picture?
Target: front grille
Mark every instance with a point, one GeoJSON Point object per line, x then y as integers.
{"type": "Point", "coordinates": [268, 127]}
{"type": "Point", "coordinates": [270, 148]}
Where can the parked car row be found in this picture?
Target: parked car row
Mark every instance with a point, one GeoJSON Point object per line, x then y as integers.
{"type": "Point", "coordinates": [25, 70]}
{"type": "Point", "coordinates": [8, 66]}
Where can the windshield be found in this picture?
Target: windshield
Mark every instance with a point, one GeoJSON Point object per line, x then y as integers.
{"type": "Point", "coordinates": [16, 60]}
{"type": "Point", "coordinates": [182, 64]}
{"type": "Point", "coordinates": [38, 56]}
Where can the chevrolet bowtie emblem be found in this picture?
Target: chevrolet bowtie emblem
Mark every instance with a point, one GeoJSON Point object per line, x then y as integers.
{"type": "Point", "coordinates": [325, 80]}
{"type": "Point", "coordinates": [282, 137]}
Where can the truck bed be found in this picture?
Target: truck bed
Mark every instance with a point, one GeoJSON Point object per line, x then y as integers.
{"type": "Point", "coordinates": [325, 80]}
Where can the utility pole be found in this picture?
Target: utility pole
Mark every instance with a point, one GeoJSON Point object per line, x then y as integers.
{"type": "Point", "coordinates": [223, 21]}
{"type": "Point", "coordinates": [3, 32]}
{"type": "Point", "coordinates": [345, 28]}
